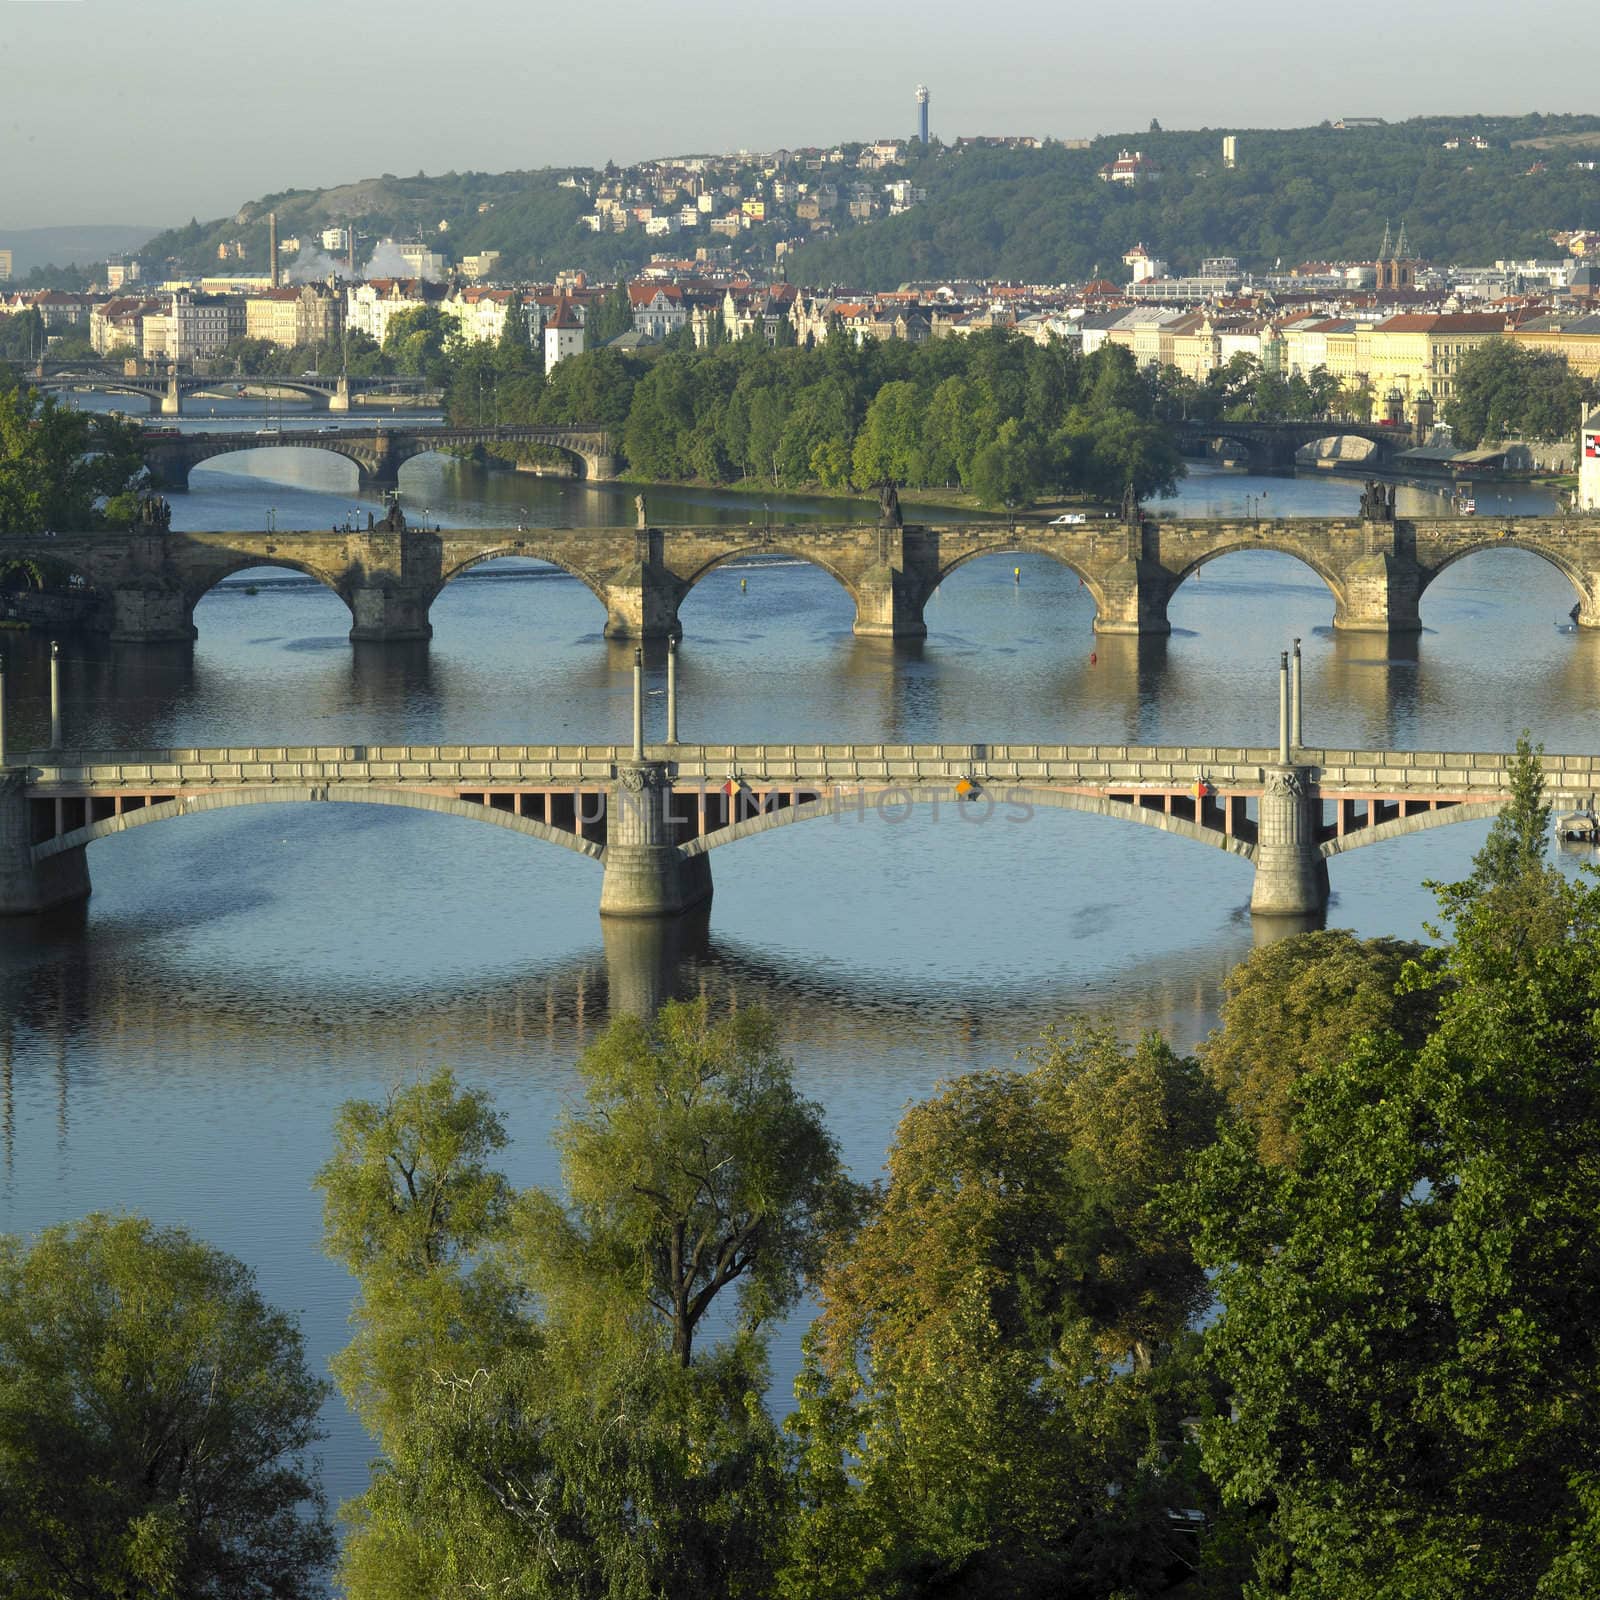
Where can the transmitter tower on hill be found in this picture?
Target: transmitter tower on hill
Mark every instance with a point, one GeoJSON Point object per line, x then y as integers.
{"type": "Point", "coordinates": [922, 112]}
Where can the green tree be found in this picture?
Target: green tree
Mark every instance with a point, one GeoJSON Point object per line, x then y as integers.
{"type": "Point", "coordinates": [417, 342]}
{"type": "Point", "coordinates": [555, 1420]}
{"type": "Point", "coordinates": [411, 1208]}
{"type": "Point", "coordinates": [612, 316]}
{"type": "Point", "coordinates": [1294, 1008]}
{"type": "Point", "coordinates": [983, 1398]}
{"type": "Point", "coordinates": [156, 1419]}
{"type": "Point", "coordinates": [732, 1179]}
{"type": "Point", "coordinates": [1503, 389]}
{"type": "Point", "coordinates": [1519, 838]}
{"type": "Point", "coordinates": [69, 471]}
{"type": "Point", "coordinates": [1406, 1338]}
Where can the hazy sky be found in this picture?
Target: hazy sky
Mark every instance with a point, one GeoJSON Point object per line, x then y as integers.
{"type": "Point", "coordinates": [149, 111]}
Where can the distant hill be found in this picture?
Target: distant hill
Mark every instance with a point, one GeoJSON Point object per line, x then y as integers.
{"type": "Point", "coordinates": [1297, 195]}
{"type": "Point", "coordinates": [1036, 215]}
{"type": "Point", "coordinates": [80, 246]}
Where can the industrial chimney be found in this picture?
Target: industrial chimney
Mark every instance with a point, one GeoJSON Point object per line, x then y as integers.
{"type": "Point", "coordinates": [272, 247]}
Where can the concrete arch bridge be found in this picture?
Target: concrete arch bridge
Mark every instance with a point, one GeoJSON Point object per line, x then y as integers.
{"type": "Point", "coordinates": [147, 584]}
{"type": "Point", "coordinates": [650, 817]}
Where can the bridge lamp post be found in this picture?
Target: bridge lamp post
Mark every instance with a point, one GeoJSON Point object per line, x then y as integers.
{"type": "Point", "coordinates": [638, 705]}
{"type": "Point", "coordinates": [1295, 740]}
{"type": "Point", "coordinates": [672, 691]}
{"type": "Point", "coordinates": [55, 695]}
{"type": "Point", "coordinates": [1283, 708]}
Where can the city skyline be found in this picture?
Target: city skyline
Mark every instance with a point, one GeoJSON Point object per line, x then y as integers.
{"type": "Point", "coordinates": [160, 121]}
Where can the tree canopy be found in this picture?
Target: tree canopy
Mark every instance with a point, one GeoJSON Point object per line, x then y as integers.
{"type": "Point", "coordinates": [60, 469]}
{"type": "Point", "coordinates": [156, 1419]}
{"type": "Point", "coordinates": [554, 1417]}
{"type": "Point", "coordinates": [1504, 390]}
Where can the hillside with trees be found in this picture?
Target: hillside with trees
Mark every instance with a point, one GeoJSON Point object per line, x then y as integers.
{"type": "Point", "coordinates": [1036, 215]}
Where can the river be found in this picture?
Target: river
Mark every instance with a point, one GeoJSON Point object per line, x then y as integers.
{"type": "Point", "coordinates": [181, 1048]}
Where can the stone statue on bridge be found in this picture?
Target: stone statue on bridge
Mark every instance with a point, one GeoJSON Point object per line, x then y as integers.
{"type": "Point", "coordinates": [155, 515]}
{"type": "Point", "coordinates": [639, 512]}
{"type": "Point", "coordinates": [889, 503]}
{"type": "Point", "coordinates": [1377, 502]}
{"type": "Point", "coordinates": [395, 522]}
{"type": "Point", "coordinates": [1130, 505]}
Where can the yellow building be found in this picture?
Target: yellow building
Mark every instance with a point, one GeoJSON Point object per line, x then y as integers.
{"type": "Point", "coordinates": [1421, 350]}
{"type": "Point", "coordinates": [1576, 338]}
{"type": "Point", "coordinates": [289, 317]}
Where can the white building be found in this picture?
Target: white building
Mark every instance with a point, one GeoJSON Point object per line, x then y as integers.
{"type": "Point", "coordinates": [1589, 461]}
{"type": "Point", "coordinates": [201, 325]}
{"type": "Point", "coordinates": [369, 307]}
{"type": "Point", "coordinates": [563, 335]}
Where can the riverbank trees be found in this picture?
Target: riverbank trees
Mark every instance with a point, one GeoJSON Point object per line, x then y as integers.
{"type": "Point", "coordinates": [994, 415]}
{"type": "Point", "coordinates": [1503, 390]}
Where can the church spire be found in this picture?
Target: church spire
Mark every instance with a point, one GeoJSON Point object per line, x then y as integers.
{"type": "Point", "coordinates": [1383, 249]}
{"type": "Point", "coordinates": [1400, 243]}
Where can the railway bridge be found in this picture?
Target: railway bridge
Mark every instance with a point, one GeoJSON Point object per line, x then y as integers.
{"type": "Point", "coordinates": [144, 586]}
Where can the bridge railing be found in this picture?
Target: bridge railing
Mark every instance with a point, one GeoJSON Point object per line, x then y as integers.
{"type": "Point", "coordinates": [1096, 766]}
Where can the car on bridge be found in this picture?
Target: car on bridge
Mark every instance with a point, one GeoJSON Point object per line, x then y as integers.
{"type": "Point", "coordinates": [1068, 519]}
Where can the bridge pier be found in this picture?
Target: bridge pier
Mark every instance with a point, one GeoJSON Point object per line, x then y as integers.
{"type": "Point", "coordinates": [172, 400]}
{"type": "Point", "coordinates": [387, 614]}
{"type": "Point", "coordinates": [646, 874]}
{"type": "Point", "coordinates": [1291, 872]}
{"type": "Point", "coordinates": [151, 614]}
{"type": "Point", "coordinates": [888, 606]}
{"type": "Point", "coordinates": [339, 400]}
{"type": "Point", "coordinates": [1132, 598]}
{"type": "Point", "coordinates": [1379, 591]}
{"type": "Point", "coordinates": [642, 598]}
{"type": "Point", "coordinates": [28, 886]}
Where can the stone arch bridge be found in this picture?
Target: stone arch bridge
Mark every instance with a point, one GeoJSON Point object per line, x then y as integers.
{"type": "Point", "coordinates": [651, 817]}
{"type": "Point", "coordinates": [1273, 446]}
{"type": "Point", "coordinates": [144, 586]}
{"type": "Point", "coordinates": [378, 453]}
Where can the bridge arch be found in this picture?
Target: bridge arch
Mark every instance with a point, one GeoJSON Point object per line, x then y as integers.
{"type": "Point", "coordinates": [790, 552]}
{"type": "Point", "coordinates": [1551, 554]}
{"type": "Point", "coordinates": [151, 395]}
{"type": "Point", "coordinates": [1253, 546]}
{"type": "Point", "coordinates": [1024, 546]}
{"type": "Point", "coordinates": [224, 800]}
{"type": "Point", "coordinates": [202, 585]}
{"type": "Point", "coordinates": [531, 549]}
{"type": "Point", "coordinates": [1021, 794]}
{"type": "Point", "coordinates": [192, 456]}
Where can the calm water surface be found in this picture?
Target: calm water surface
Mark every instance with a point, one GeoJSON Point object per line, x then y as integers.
{"type": "Point", "coordinates": [180, 1049]}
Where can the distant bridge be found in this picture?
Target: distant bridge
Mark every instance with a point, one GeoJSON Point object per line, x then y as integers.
{"type": "Point", "coordinates": [650, 816]}
{"type": "Point", "coordinates": [165, 391]}
{"type": "Point", "coordinates": [144, 586]}
{"type": "Point", "coordinates": [378, 453]}
{"type": "Point", "coordinates": [1273, 446]}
